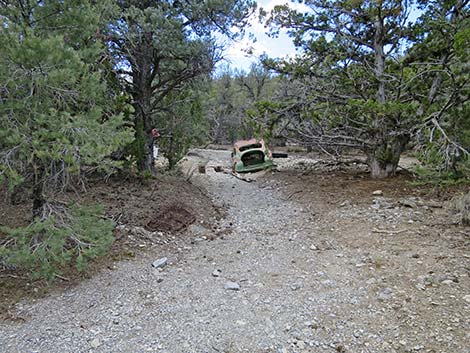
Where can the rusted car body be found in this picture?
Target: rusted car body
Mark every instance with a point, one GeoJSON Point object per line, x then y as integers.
{"type": "Point", "coordinates": [251, 156]}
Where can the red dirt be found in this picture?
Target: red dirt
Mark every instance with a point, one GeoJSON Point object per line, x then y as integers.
{"type": "Point", "coordinates": [171, 219]}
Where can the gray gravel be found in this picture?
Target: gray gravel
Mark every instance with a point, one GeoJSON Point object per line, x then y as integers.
{"type": "Point", "coordinates": [291, 296]}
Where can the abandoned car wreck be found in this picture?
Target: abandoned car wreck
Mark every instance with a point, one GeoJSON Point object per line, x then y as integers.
{"type": "Point", "coordinates": [250, 156]}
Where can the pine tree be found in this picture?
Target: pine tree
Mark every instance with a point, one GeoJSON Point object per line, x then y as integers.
{"type": "Point", "coordinates": [160, 47]}
{"type": "Point", "coordinates": [371, 79]}
{"type": "Point", "coordinates": [443, 52]}
{"type": "Point", "coordinates": [56, 116]}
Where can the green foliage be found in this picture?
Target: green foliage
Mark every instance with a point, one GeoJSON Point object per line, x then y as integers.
{"type": "Point", "coordinates": [57, 113]}
{"type": "Point", "coordinates": [48, 245]}
{"type": "Point", "coordinates": [262, 119]}
{"type": "Point", "coordinates": [235, 108]}
{"type": "Point", "coordinates": [442, 165]}
{"type": "Point", "coordinates": [164, 47]}
{"type": "Point", "coordinates": [374, 79]}
{"type": "Point", "coordinates": [438, 178]}
{"type": "Point", "coordinates": [57, 116]}
{"type": "Point", "coordinates": [183, 125]}
{"type": "Point", "coordinates": [443, 51]}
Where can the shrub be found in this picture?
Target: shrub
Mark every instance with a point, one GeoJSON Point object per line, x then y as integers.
{"type": "Point", "coordinates": [47, 245]}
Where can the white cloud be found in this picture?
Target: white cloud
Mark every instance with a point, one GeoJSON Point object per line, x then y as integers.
{"type": "Point", "coordinates": [236, 52]}
{"type": "Point", "coordinates": [245, 48]}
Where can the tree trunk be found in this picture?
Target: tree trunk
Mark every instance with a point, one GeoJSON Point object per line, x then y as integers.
{"type": "Point", "coordinates": [380, 58]}
{"type": "Point", "coordinates": [383, 160]}
{"type": "Point", "coordinates": [380, 169]}
{"type": "Point", "coordinates": [143, 145]}
{"type": "Point", "coordinates": [171, 153]}
{"type": "Point", "coordinates": [38, 191]}
{"type": "Point", "coordinates": [142, 98]}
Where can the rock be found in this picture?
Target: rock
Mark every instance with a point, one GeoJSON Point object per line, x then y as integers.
{"type": "Point", "coordinates": [160, 262]}
{"type": "Point", "coordinates": [313, 247]}
{"type": "Point", "coordinates": [328, 282]}
{"type": "Point", "coordinates": [375, 206]}
{"type": "Point", "coordinates": [448, 279]}
{"type": "Point", "coordinates": [231, 286]}
{"type": "Point", "coordinates": [408, 203]}
{"type": "Point", "coordinates": [385, 294]}
{"type": "Point", "coordinates": [95, 343]}
{"type": "Point", "coordinates": [300, 344]}
{"type": "Point", "coordinates": [296, 286]}
{"type": "Point", "coordinates": [417, 348]}
{"type": "Point", "coordinates": [377, 193]}
{"type": "Point", "coordinates": [434, 204]}
{"type": "Point", "coordinates": [216, 273]}
{"type": "Point", "coordinates": [467, 298]}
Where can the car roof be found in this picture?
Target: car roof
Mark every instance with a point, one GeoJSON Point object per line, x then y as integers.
{"type": "Point", "coordinates": [242, 143]}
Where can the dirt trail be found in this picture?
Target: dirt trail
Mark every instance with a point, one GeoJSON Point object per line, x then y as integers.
{"type": "Point", "coordinates": [301, 289]}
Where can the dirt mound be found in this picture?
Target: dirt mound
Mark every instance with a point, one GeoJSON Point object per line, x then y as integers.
{"type": "Point", "coordinates": [171, 219]}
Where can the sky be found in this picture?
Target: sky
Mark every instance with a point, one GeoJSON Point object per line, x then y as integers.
{"type": "Point", "coordinates": [235, 52]}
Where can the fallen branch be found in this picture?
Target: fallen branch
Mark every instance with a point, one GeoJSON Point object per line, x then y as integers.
{"type": "Point", "coordinates": [390, 231]}
{"type": "Point", "coordinates": [332, 163]}
{"type": "Point", "coordinates": [292, 194]}
{"type": "Point", "coordinates": [62, 278]}
{"type": "Point", "coordinates": [238, 176]}
{"type": "Point", "coordinates": [12, 276]}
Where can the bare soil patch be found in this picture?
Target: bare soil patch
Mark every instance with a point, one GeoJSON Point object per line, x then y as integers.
{"type": "Point", "coordinates": [403, 243]}
{"type": "Point", "coordinates": [171, 219]}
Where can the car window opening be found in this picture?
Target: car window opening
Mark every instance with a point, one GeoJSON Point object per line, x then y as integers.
{"type": "Point", "coordinates": [252, 158]}
{"type": "Point", "coordinates": [249, 147]}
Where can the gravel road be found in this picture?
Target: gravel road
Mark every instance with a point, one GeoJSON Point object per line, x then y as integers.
{"type": "Point", "coordinates": [264, 286]}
